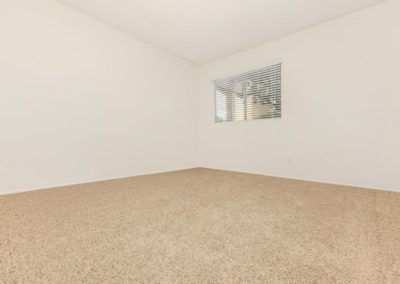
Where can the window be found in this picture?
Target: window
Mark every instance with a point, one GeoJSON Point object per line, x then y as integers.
{"type": "Point", "coordinates": [251, 95]}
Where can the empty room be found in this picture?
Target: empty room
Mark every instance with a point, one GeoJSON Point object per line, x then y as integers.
{"type": "Point", "coordinates": [188, 141]}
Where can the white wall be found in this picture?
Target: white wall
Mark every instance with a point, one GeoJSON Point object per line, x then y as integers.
{"type": "Point", "coordinates": [341, 105]}
{"type": "Point", "coordinates": [80, 101]}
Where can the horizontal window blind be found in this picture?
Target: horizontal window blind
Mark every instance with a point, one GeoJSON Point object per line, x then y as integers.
{"type": "Point", "coordinates": [251, 95]}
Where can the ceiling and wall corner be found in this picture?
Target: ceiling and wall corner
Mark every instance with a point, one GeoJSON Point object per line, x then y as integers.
{"type": "Point", "coordinates": [203, 31]}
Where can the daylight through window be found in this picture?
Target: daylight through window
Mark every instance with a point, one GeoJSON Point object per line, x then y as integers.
{"type": "Point", "coordinates": [251, 95]}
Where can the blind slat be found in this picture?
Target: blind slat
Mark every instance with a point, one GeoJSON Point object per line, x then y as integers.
{"type": "Point", "coordinates": [251, 95]}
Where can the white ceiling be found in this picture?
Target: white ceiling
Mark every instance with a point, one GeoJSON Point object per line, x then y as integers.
{"type": "Point", "coordinates": [205, 30]}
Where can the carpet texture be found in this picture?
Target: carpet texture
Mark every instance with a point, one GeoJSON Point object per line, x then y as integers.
{"type": "Point", "coordinates": [200, 226]}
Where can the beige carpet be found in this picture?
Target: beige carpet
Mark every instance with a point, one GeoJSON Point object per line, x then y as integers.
{"type": "Point", "coordinates": [200, 226]}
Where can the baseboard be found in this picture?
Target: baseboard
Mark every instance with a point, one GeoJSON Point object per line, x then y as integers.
{"type": "Point", "coordinates": [94, 181]}
{"type": "Point", "coordinates": [305, 179]}
{"type": "Point", "coordinates": [211, 168]}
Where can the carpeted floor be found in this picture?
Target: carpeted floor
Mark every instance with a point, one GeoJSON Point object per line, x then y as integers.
{"type": "Point", "coordinates": [200, 226]}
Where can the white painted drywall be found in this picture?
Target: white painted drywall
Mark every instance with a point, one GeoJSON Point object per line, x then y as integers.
{"type": "Point", "coordinates": [341, 105]}
{"type": "Point", "coordinates": [81, 101]}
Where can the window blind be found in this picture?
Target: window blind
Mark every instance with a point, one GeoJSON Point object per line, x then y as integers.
{"type": "Point", "coordinates": [251, 95]}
